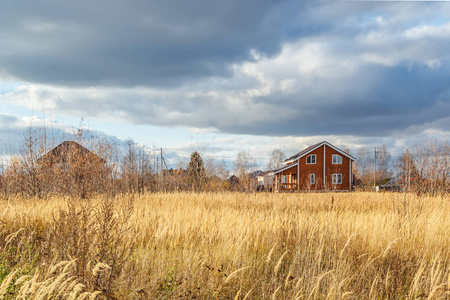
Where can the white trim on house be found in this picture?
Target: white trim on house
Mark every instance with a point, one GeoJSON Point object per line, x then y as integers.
{"type": "Point", "coordinates": [288, 161]}
{"type": "Point", "coordinates": [298, 174]}
{"type": "Point", "coordinates": [350, 175]}
{"type": "Point", "coordinates": [312, 178]}
{"type": "Point", "coordinates": [324, 159]}
{"type": "Point", "coordinates": [285, 168]}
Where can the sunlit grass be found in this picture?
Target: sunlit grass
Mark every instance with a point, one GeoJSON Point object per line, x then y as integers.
{"type": "Point", "coordinates": [235, 245]}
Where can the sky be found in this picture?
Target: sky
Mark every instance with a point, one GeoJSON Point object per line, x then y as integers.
{"type": "Point", "coordinates": [228, 76]}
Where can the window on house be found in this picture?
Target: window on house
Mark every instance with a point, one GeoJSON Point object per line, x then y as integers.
{"type": "Point", "coordinates": [337, 178]}
{"type": "Point", "coordinates": [283, 178]}
{"type": "Point", "coordinates": [311, 159]}
{"type": "Point", "coordinates": [312, 178]}
{"type": "Point", "coordinates": [337, 159]}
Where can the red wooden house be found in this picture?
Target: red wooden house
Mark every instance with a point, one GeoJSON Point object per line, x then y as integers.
{"type": "Point", "coordinates": [319, 167]}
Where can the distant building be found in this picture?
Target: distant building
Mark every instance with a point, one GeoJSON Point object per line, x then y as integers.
{"type": "Point", "coordinates": [265, 181]}
{"type": "Point", "coordinates": [176, 172]}
{"type": "Point", "coordinates": [69, 153]}
{"type": "Point", "coordinates": [75, 170]}
{"type": "Point", "coordinates": [393, 184]}
{"type": "Point", "coordinates": [233, 180]}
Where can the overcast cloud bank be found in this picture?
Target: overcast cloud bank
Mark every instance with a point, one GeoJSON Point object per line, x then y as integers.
{"type": "Point", "coordinates": [265, 68]}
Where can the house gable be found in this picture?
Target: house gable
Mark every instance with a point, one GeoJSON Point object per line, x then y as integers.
{"type": "Point", "coordinates": [314, 147]}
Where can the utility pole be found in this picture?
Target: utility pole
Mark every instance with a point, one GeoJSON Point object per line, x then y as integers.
{"type": "Point", "coordinates": [162, 171]}
{"type": "Point", "coordinates": [157, 171]}
{"type": "Point", "coordinates": [409, 174]}
{"type": "Point", "coordinates": [161, 160]}
{"type": "Point", "coordinates": [375, 170]}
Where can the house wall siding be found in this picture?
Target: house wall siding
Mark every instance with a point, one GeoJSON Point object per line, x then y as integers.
{"type": "Point", "coordinates": [330, 169]}
{"type": "Point", "coordinates": [307, 169]}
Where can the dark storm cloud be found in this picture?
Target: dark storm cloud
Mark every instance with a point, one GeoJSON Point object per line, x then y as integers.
{"type": "Point", "coordinates": [122, 43]}
{"type": "Point", "coordinates": [399, 98]}
{"type": "Point", "coordinates": [274, 68]}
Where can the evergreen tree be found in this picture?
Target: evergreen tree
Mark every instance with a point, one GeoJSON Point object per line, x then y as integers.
{"type": "Point", "coordinates": [196, 172]}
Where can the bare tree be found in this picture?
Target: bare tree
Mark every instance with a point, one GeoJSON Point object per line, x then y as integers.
{"type": "Point", "coordinates": [383, 159]}
{"type": "Point", "coordinates": [406, 169]}
{"type": "Point", "coordinates": [243, 165]}
{"type": "Point", "coordinates": [136, 170]}
{"type": "Point", "coordinates": [216, 173]}
{"type": "Point", "coordinates": [431, 162]}
{"type": "Point", "coordinates": [363, 163]}
{"type": "Point", "coordinates": [276, 159]}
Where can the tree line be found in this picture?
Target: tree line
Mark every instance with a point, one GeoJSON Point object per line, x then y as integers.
{"type": "Point", "coordinates": [423, 168]}
{"type": "Point", "coordinates": [129, 168]}
{"type": "Point", "coordinates": [87, 166]}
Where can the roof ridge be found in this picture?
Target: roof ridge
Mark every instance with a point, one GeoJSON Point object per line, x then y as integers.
{"type": "Point", "coordinates": [304, 151]}
{"type": "Point", "coordinates": [310, 148]}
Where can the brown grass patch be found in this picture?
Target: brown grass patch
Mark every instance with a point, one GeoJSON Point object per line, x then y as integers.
{"type": "Point", "coordinates": [227, 246]}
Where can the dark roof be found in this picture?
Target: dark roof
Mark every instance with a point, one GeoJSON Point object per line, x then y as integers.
{"type": "Point", "coordinates": [303, 152]}
{"type": "Point", "coordinates": [63, 151]}
{"type": "Point", "coordinates": [233, 179]}
{"type": "Point", "coordinates": [255, 174]}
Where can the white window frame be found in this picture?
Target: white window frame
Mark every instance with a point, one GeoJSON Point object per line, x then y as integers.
{"type": "Point", "coordinates": [311, 156]}
{"type": "Point", "coordinates": [337, 178]}
{"type": "Point", "coordinates": [283, 179]}
{"type": "Point", "coordinates": [337, 159]}
{"type": "Point", "coordinates": [312, 178]}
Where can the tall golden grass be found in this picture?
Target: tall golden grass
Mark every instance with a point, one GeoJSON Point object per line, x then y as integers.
{"type": "Point", "coordinates": [227, 246]}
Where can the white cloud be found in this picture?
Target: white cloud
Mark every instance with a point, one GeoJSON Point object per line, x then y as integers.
{"type": "Point", "coordinates": [428, 31]}
{"type": "Point", "coordinates": [434, 64]}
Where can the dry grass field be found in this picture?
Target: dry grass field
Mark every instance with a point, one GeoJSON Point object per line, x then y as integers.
{"type": "Point", "coordinates": [227, 246]}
